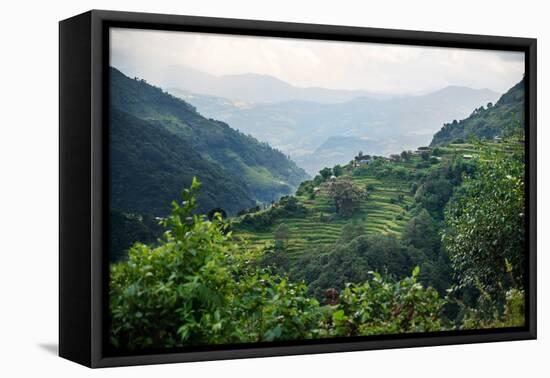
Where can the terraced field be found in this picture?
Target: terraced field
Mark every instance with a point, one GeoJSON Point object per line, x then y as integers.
{"type": "Point", "coordinates": [380, 213]}
{"type": "Point", "coordinates": [322, 226]}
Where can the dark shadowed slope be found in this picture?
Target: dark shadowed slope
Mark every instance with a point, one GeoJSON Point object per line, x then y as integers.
{"type": "Point", "coordinates": [150, 167]}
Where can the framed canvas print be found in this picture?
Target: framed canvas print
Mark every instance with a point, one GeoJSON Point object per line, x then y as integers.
{"type": "Point", "coordinates": [234, 188]}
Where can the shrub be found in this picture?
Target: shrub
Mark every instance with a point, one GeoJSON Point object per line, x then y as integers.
{"type": "Point", "coordinates": [200, 287]}
{"type": "Point", "coordinates": [485, 233]}
{"type": "Point", "coordinates": [381, 307]}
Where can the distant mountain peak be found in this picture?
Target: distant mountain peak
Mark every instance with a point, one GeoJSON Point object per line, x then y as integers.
{"type": "Point", "coordinates": [248, 87]}
{"type": "Point", "coordinates": [462, 88]}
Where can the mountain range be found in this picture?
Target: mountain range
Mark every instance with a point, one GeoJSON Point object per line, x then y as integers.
{"type": "Point", "coordinates": [248, 87]}
{"type": "Point", "coordinates": [299, 128]}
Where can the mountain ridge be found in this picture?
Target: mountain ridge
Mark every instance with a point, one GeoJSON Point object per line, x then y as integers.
{"type": "Point", "coordinates": [298, 128]}
{"type": "Point", "coordinates": [250, 87]}
{"type": "Point", "coordinates": [166, 166]}
{"type": "Point", "coordinates": [505, 116]}
{"type": "Point", "coordinates": [264, 173]}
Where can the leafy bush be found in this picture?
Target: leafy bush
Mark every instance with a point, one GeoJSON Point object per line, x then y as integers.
{"type": "Point", "coordinates": [487, 314]}
{"type": "Point", "coordinates": [199, 286]}
{"type": "Point", "coordinates": [381, 307]}
{"type": "Point", "coordinates": [177, 293]}
{"type": "Point", "coordinates": [268, 308]}
{"type": "Point", "coordinates": [485, 233]}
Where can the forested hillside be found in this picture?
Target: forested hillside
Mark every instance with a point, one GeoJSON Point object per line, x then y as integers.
{"type": "Point", "coordinates": [390, 225]}
{"type": "Point", "coordinates": [495, 120]}
{"type": "Point", "coordinates": [158, 143]}
{"type": "Point", "coordinates": [263, 173]}
{"type": "Point", "coordinates": [388, 216]}
{"type": "Point", "coordinates": [149, 165]}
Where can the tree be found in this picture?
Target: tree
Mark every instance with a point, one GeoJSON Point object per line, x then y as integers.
{"type": "Point", "coordinates": [351, 231]}
{"type": "Point", "coordinates": [338, 170]}
{"type": "Point", "coordinates": [433, 195]}
{"type": "Point", "coordinates": [414, 187]}
{"type": "Point", "coordinates": [406, 155]}
{"type": "Point", "coordinates": [485, 226]}
{"type": "Point", "coordinates": [325, 173]}
{"type": "Point", "coordinates": [395, 157]}
{"type": "Point", "coordinates": [281, 235]}
{"type": "Point", "coordinates": [346, 196]}
{"type": "Point", "coordinates": [422, 233]}
{"type": "Point", "coordinates": [437, 151]}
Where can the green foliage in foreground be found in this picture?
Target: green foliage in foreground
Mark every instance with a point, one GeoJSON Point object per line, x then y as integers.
{"type": "Point", "coordinates": [485, 233]}
{"type": "Point", "coordinates": [198, 286]}
{"type": "Point", "coordinates": [382, 307]}
{"type": "Point", "coordinates": [490, 314]}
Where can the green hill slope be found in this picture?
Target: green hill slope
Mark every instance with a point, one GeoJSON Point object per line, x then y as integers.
{"type": "Point", "coordinates": [393, 228]}
{"type": "Point", "coordinates": [397, 191]}
{"type": "Point", "coordinates": [264, 173]}
{"type": "Point", "coordinates": [386, 210]}
{"type": "Point", "coordinates": [320, 226]}
{"type": "Point", "coordinates": [149, 168]}
{"type": "Point", "coordinates": [502, 118]}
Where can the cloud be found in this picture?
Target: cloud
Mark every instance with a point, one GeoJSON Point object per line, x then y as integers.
{"type": "Point", "coordinates": [511, 56]}
{"type": "Point", "coordinates": [311, 63]}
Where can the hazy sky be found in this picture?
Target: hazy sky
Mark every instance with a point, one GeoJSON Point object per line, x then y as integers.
{"type": "Point", "coordinates": [307, 63]}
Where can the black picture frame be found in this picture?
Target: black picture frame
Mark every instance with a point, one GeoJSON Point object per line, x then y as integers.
{"type": "Point", "coordinates": [83, 179]}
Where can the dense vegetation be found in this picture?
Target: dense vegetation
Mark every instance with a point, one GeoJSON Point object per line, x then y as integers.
{"type": "Point", "coordinates": [422, 241]}
{"type": "Point", "coordinates": [329, 249]}
{"type": "Point", "coordinates": [504, 118]}
{"type": "Point", "coordinates": [262, 172]}
{"type": "Point", "coordinates": [484, 232]}
{"type": "Point", "coordinates": [149, 166]}
{"type": "Point", "coordinates": [199, 286]}
{"type": "Point", "coordinates": [359, 244]}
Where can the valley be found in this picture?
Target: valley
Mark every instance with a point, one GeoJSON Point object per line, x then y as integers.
{"type": "Point", "coordinates": [307, 130]}
{"type": "Point", "coordinates": [282, 190]}
{"type": "Point", "coordinates": [388, 207]}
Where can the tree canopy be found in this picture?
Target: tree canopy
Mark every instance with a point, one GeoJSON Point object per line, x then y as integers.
{"type": "Point", "coordinates": [485, 234]}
